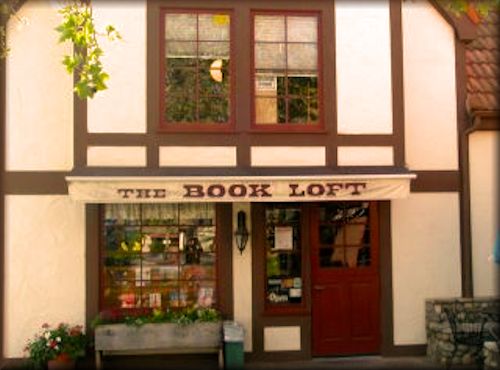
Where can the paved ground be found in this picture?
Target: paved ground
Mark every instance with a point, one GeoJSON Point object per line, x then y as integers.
{"type": "Point", "coordinates": [210, 363]}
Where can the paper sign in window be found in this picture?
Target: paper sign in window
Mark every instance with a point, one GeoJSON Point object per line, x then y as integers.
{"type": "Point", "coordinates": [283, 237]}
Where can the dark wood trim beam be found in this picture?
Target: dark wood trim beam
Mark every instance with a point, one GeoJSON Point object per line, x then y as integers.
{"type": "Point", "coordinates": [398, 115]}
{"type": "Point", "coordinates": [463, 163]}
{"type": "Point", "coordinates": [3, 75]}
{"type": "Point", "coordinates": [24, 183]}
{"type": "Point", "coordinates": [91, 267]}
{"type": "Point", "coordinates": [369, 140]}
{"type": "Point", "coordinates": [386, 300]}
{"type": "Point", "coordinates": [436, 181]}
{"type": "Point", "coordinates": [225, 259]}
{"type": "Point", "coordinates": [485, 121]}
{"type": "Point", "coordinates": [465, 30]}
{"type": "Point", "coordinates": [79, 130]}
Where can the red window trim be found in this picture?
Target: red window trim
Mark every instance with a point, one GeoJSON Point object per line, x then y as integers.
{"type": "Point", "coordinates": [287, 127]}
{"type": "Point", "coordinates": [195, 127]}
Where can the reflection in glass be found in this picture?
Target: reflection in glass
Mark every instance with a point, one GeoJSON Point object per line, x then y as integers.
{"type": "Point", "coordinates": [344, 235]}
{"type": "Point", "coordinates": [302, 29]}
{"type": "Point", "coordinates": [270, 56]}
{"type": "Point", "coordinates": [269, 28]}
{"type": "Point", "coordinates": [283, 255]}
{"type": "Point", "coordinates": [180, 26]}
{"type": "Point", "coordinates": [197, 87]}
{"type": "Point", "coordinates": [213, 27]}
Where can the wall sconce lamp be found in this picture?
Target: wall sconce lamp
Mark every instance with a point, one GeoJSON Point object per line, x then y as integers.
{"type": "Point", "coordinates": [241, 233]}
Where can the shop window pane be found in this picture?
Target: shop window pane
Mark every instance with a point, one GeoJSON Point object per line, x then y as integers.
{"type": "Point", "coordinates": [270, 110]}
{"type": "Point", "coordinates": [269, 28]}
{"type": "Point", "coordinates": [302, 29]}
{"type": "Point", "coordinates": [214, 109]}
{"type": "Point", "coordinates": [286, 67]}
{"type": "Point", "coordinates": [270, 56]}
{"type": "Point", "coordinates": [214, 27]}
{"type": "Point", "coordinates": [302, 56]}
{"type": "Point", "coordinates": [180, 26]}
{"type": "Point", "coordinates": [185, 51]}
{"type": "Point", "coordinates": [181, 81]}
{"type": "Point", "coordinates": [214, 77]}
{"type": "Point", "coordinates": [196, 67]}
{"type": "Point", "coordinates": [305, 86]}
{"type": "Point", "coordinates": [158, 263]}
{"type": "Point", "coordinates": [283, 255]}
{"type": "Point", "coordinates": [180, 108]}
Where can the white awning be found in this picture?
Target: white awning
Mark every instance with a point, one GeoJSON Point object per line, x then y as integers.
{"type": "Point", "coordinates": [117, 189]}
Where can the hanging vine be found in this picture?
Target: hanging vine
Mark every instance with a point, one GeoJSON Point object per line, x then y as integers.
{"type": "Point", "coordinates": [78, 27]}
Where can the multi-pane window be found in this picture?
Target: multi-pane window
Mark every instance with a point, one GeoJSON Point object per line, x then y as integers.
{"type": "Point", "coordinates": [197, 78]}
{"type": "Point", "coordinates": [158, 256]}
{"type": "Point", "coordinates": [283, 256]}
{"type": "Point", "coordinates": [286, 73]}
{"type": "Point", "coordinates": [344, 235]}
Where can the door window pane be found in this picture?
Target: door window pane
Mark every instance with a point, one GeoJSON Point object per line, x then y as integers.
{"type": "Point", "coordinates": [344, 235]}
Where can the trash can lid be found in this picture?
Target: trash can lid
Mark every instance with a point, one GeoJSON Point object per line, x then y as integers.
{"type": "Point", "coordinates": [233, 332]}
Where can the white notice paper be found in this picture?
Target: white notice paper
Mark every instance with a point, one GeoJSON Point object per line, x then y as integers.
{"type": "Point", "coordinates": [283, 237]}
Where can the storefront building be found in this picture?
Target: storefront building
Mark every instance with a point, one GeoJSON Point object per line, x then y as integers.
{"type": "Point", "coordinates": [335, 132]}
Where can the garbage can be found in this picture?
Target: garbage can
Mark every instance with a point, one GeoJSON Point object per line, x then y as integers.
{"type": "Point", "coordinates": [233, 345]}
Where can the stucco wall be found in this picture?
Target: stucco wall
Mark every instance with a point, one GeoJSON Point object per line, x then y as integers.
{"type": "Point", "coordinates": [242, 278]}
{"type": "Point", "coordinates": [122, 107]}
{"type": "Point", "coordinates": [44, 266]}
{"type": "Point", "coordinates": [429, 88]}
{"type": "Point", "coordinates": [39, 118]}
{"type": "Point", "coordinates": [425, 259]}
{"type": "Point", "coordinates": [484, 176]}
{"type": "Point", "coordinates": [363, 67]}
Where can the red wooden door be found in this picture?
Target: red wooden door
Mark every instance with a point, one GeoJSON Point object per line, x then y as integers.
{"type": "Point", "coordinates": [345, 279]}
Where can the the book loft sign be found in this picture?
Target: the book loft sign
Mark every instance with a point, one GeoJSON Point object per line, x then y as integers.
{"type": "Point", "coordinates": [237, 189]}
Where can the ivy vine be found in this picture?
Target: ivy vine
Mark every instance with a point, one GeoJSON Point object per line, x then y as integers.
{"type": "Point", "coordinates": [78, 27]}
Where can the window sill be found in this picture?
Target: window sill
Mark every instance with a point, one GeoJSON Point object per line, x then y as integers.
{"type": "Point", "coordinates": [195, 128]}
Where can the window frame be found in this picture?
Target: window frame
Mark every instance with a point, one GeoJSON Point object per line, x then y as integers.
{"type": "Point", "coordinates": [287, 127]}
{"type": "Point", "coordinates": [195, 127]}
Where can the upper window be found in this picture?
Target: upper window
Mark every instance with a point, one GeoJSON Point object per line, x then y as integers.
{"type": "Point", "coordinates": [196, 69]}
{"type": "Point", "coordinates": [286, 72]}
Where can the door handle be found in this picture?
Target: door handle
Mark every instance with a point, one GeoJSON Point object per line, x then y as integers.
{"type": "Point", "coordinates": [318, 287]}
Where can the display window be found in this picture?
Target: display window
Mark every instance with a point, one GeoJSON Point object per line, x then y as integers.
{"type": "Point", "coordinates": [158, 256]}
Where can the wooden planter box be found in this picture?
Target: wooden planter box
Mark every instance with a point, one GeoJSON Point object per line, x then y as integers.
{"type": "Point", "coordinates": [116, 339]}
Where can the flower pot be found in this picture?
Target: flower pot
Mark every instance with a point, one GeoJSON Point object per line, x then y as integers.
{"type": "Point", "coordinates": [61, 362]}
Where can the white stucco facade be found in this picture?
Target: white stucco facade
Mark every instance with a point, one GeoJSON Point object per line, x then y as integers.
{"type": "Point", "coordinates": [363, 67]}
{"type": "Point", "coordinates": [39, 92]}
{"type": "Point", "coordinates": [484, 165]}
{"type": "Point", "coordinates": [122, 107]}
{"type": "Point", "coordinates": [430, 102]}
{"type": "Point", "coordinates": [425, 259]}
{"type": "Point", "coordinates": [44, 266]}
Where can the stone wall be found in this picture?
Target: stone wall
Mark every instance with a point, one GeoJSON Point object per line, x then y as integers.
{"type": "Point", "coordinates": [491, 356]}
{"type": "Point", "coordinates": [440, 341]}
